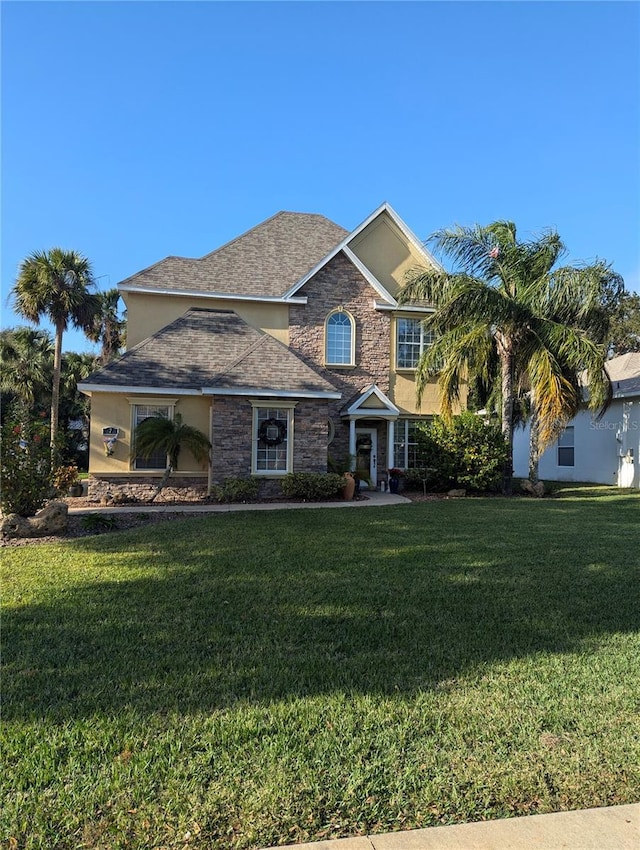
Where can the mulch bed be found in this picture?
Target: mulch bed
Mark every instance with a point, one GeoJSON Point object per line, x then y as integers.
{"type": "Point", "coordinates": [128, 520]}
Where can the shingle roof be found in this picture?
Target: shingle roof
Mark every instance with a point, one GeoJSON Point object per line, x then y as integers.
{"type": "Point", "coordinates": [624, 367]}
{"type": "Point", "coordinates": [265, 261]}
{"type": "Point", "coordinates": [213, 349]}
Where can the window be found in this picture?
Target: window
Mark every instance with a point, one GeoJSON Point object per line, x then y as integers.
{"type": "Point", "coordinates": [566, 447]}
{"type": "Point", "coordinates": [405, 446]}
{"type": "Point", "coordinates": [411, 341]}
{"type": "Point", "coordinates": [339, 339]}
{"type": "Point", "coordinates": [272, 439]}
{"type": "Point", "coordinates": [140, 413]}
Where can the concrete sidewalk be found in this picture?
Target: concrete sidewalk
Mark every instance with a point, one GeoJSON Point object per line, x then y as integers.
{"type": "Point", "coordinates": [373, 499]}
{"type": "Point", "coordinates": [611, 828]}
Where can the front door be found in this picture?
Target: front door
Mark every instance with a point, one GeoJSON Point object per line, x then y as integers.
{"type": "Point", "coordinates": [367, 456]}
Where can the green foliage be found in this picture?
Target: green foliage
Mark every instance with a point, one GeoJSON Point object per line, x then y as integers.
{"type": "Point", "coordinates": [285, 676]}
{"type": "Point", "coordinates": [26, 468]}
{"type": "Point", "coordinates": [464, 452]}
{"type": "Point", "coordinates": [236, 490]}
{"type": "Point", "coordinates": [99, 522]}
{"type": "Point", "coordinates": [312, 486]}
{"type": "Point", "coordinates": [57, 285]}
{"type": "Point", "coordinates": [159, 434]}
{"type": "Point", "coordinates": [64, 477]}
{"type": "Point", "coordinates": [624, 331]}
{"type": "Point", "coordinates": [108, 328]}
{"type": "Point", "coordinates": [508, 317]}
{"type": "Point", "coordinates": [340, 465]}
{"type": "Point", "coordinates": [419, 478]}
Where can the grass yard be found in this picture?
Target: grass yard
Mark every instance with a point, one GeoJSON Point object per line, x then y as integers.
{"type": "Point", "coordinates": [250, 679]}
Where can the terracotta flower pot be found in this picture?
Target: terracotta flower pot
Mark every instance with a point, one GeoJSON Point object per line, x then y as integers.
{"type": "Point", "coordinates": [349, 487]}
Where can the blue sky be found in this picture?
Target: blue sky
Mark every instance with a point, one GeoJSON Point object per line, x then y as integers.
{"type": "Point", "coordinates": [131, 131]}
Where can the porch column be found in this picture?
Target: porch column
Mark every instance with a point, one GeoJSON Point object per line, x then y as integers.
{"type": "Point", "coordinates": [210, 455]}
{"type": "Point", "coordinates": [391, 435]}
{"type": "Point", "coordinates": [352, 442]}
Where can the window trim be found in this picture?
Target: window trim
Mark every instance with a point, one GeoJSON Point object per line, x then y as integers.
{"type": "Point", "coordinates": [170, 404]}
{"type": "Point", "coordinates": [258, 404]}
{"type": "Point", "coordinates": [423, 345]}
{"type": "Point", "coordinates": [569, 431]}
{"type": "Point", "coordinates": [402, 443]}
{"type": "Point", "coordinates": [352, 353]}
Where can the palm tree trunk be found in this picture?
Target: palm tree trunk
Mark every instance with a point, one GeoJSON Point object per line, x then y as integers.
{"type": "Point", "coordinates": [55, 393]}
{"type": "Point", "coordinates": [506, 363]}
{"type": "Point", "coordinates": [534, 445]}
{"type": "Point", "coordinates": [163, 482]}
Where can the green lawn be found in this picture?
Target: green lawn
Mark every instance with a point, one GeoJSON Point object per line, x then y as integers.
{"type": "Point", "coordinates": [258, 678]}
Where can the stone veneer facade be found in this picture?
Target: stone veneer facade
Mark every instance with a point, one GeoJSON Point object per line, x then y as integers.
{"type": "Point", "coordinates": [233, 437]}
{"type": "Point", "coordinates": [340, 284]}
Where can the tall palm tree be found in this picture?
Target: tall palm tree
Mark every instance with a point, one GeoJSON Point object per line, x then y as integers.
{"type": "Point", "coordinates": [108, 328]}
{"type": "Point", "coordinates": [157, 434]}
{"type": "Point", "coordinates": [505, 298]}
{"type": "Point", "coordinates": [56, 284]}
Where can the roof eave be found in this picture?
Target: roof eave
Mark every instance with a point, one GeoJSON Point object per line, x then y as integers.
{"type": "Point", "coordinates": [212, 296]}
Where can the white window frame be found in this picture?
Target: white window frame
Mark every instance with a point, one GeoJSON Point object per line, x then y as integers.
{"type": "Point", "coordinates": [340, 311]}
{"type": "Point", "coordinates": [159, 404]}
{"type": "Point", "coordinates": [402, 442]}
{"type": "Point", "coordinates": [274, 405]}
{"type": "Point", "coordinates": [567, 447]}
{"type": "Point", "coordinates": [425, 340]}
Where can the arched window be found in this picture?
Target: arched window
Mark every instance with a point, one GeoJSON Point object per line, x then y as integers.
{"type": "Point", "coordinates": [340, 339]}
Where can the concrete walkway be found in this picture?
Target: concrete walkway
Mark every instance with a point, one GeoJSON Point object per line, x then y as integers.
{"type": "Point", "coordinates": [373, 499]}
{"type": "Point", "coordinates": [612, 828]}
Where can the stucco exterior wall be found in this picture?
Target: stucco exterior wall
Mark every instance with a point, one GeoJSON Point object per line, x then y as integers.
{"type": "Point", "coordinates": [147, 314]}
{"type": "Point", "coordinates": [599, 445]}
{"type": "Point", "coordinates": [115, 409]}
{"type": "Point", "coordinates": [384, 249]}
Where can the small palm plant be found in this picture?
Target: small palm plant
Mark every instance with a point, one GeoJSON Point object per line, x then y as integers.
{"type": "Point", "coordinates": [159, 434]}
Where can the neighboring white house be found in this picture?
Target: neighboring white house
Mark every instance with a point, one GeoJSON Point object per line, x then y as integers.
{"type": "Point", "coordinates": [603, 451]}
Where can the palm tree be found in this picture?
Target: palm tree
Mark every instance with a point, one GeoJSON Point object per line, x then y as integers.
{"type": "Point", "coordinates": [157, 434]}
{"type": "Point", "coordinates": [73, 404]}
{"type": "Point", "coordinates": [506, 299]}
{"type": "Point", "coordinates": [108, 329]}
{"type": "Point", "coordinates": [56, 284]}
{"type": "Point", "coordinates": [27, 359]}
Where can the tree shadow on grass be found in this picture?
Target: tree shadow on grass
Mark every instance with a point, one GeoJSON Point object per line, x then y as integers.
{"type": "Point", "coordinates": [203, 614]}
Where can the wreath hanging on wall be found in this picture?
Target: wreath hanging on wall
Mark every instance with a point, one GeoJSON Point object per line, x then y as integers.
{"type": "Point", "coordinates": [272, 432]}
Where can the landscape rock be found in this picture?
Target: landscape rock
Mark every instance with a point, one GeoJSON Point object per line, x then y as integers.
{"type": "Point", "coordinates": [52, 519]}
{"type": "Point", "coordinates": [457, 494]}
{"type": "Point", "coordinates": [532, 489]}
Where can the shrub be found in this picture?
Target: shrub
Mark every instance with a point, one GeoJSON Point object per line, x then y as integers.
{"type": "Point", "coordinates": [98, 522]}
{"type": "Point", "coordinates": [419, 478]}
{"type": "Point", "coordinates": [236, 490]}
{"type": "Point", "coordinates": [64, 477]}
{"type": "Point", "coordinates": [466, 452]}
{"type": "Point", "coordinates": [312, 486]}
{"type": "Point", "coordinates": [26, 468]}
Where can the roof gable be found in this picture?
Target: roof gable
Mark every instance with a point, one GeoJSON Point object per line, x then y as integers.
{"type": "Point", "coordinates": [371, 401]}
{"type": "Point", "coordinates": [382, 261]}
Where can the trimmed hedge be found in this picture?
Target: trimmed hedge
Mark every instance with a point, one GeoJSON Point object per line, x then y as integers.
{"type": "Point", "coordinates": [236, 490]}
{"type": "Point", "coordinates": [312, 486]}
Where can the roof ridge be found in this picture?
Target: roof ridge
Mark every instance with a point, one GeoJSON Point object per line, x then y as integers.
{"type": "Point", "coordinates": [244, 354]}
{"type": "Point", "coordinates": [262, 224]}
{"type": "Point", "coordinates": [154, 265]}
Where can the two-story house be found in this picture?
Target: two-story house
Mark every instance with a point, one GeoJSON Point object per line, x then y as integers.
{"type": "Point", "coordinates": [285, 346]}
